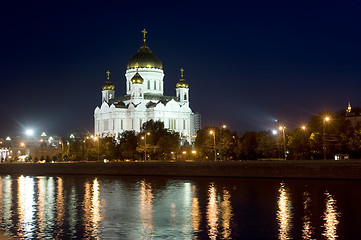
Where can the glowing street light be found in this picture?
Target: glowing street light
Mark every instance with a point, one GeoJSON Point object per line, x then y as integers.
{"type": "Point", "coordinates": [22, 144]}
{"type": "Point", "coordinates": [214, 143]}
{"type": "Point", "coordinates": [145, 145]}
{"type": "Point", "coordinates": [325, 120]}
{"type": "Point", "coordinates": [29, 132]}
{"type": "Point", "coordinates": [282, 128]}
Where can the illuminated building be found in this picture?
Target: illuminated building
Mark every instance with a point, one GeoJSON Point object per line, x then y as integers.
{"type": "Point", "coordinates": [144, 100]}
{"type": "Point", "coordinates": [354, 116]}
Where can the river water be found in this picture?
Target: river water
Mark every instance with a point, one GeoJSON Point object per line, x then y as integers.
{"type": "Point", "coordinates": [102, 207]}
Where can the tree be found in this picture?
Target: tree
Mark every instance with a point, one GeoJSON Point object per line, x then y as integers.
{"type": "Point", "coordinates": [160, 141]}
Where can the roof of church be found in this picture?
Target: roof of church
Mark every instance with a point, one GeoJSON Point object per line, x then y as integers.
{"type": "Point", "coordinates": [144, 58]}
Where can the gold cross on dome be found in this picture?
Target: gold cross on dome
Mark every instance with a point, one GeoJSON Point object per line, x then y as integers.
{"type": "Point", "coordinates": [144, 34]}
{"type": "Point", "coordinates": [108, 73]}
{"type": "Point", "coordinates": [182, 70]}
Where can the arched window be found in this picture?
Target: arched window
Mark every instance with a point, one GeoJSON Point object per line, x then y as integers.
{"type": "Point", "coordinates": [185, 97]}
{"type": "Point", "coordinates": [148, 84]}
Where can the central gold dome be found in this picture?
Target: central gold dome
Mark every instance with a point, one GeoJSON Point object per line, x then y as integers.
{"type": "Point", "coordinates": [144, 58]}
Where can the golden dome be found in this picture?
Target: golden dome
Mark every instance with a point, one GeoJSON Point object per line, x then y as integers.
{"type": "Point", "coordinates": [108, 86]}
{"type": "Point", "coordinates": [144, 58]}
{"type": "Point", "coordinates": [182, 82]}
{"type": "Point", "coordinates": [137, 79]}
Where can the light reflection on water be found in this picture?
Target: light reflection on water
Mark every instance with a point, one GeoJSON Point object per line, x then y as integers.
{"type": "Point", "coordinates": [284, 213]}
{"type": "Point", "coordinates": [130, 208]}
{"type": "Point", "coordinates": [307, 230]}
{"type": "Point", "coordinates": [146, 210]}
{"type": "Point", "coordinates": [212, 212]}
{"type": "Point", "coordinates": [330, 218]}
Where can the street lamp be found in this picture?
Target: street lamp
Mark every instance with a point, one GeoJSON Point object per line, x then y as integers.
{"type": "Point", "coordinates": [214, 142]}
{"type": "Point", "coordinates": [282, 128]}
{"type": "Point", "coordinates": [325, 120]}
{"type": "Point", "coordinates": [29, 132]}
{"type": "Point", "coordinates": [145, 145]}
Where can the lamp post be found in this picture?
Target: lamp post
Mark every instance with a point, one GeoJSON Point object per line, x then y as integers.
{"type": "Point", "coordinates": [284, 140]}
{"type": "Point", "coordinates": [325, 120]}
{"type": "Point", "coordinates": [214, 143]}
{"type": "Point", "coordinates": [145, 145]}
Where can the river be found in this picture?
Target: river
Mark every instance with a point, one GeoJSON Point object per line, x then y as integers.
{"type": "Point", "coordinates": [106, 207]}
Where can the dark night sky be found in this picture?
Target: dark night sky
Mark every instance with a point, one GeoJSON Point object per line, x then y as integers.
{"type": "Point", "coordinates": [247, 63]}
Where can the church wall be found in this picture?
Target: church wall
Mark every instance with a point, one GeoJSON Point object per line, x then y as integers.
{"type": "Point", "coordinates": [154, 76]}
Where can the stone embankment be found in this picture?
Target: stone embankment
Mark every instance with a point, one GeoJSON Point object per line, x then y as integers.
{"type": "Point", "coordinates": [348, 169]}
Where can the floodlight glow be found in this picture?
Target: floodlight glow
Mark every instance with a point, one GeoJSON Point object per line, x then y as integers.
{"type": "Point", "coordinates": [274, 132]}
{"type": "Point", "coordinates": [29, 132]}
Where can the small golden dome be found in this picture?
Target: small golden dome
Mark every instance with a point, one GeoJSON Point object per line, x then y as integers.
{"type": "Point", "coordinates": [144, 58]}
{"type": "Point", "coordinates": [108, 85]}
{"type": "Point", "coordinates": [182, 82]}
{"type": "Point", "coordinates": [137, 79]}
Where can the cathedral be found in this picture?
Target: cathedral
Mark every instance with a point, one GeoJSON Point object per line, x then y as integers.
{"type": "Point", "coordinates": [144, 100]}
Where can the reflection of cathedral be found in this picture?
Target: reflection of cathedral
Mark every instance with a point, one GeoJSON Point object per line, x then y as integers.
{"type": "Point", "coordinates": [144, 100]}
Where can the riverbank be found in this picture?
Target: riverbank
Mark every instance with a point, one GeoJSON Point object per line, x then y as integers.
{"type": "Point", "coordinates": [350, 169]}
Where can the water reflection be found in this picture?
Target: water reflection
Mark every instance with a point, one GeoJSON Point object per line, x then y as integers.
{"type": "Point", "coordinates": [212, 212]}
{"type": "Point", "coordinates": [146, 210]}
{"type": "Point", "coordinates": [307, 230]}
{"type": "Point", "coordinates": [46, 207]}
{"type": "Point", "coordinates": [226, 214]}
{"type": "Point", "coordinates": [6, 202]}
{"type": "Point", "coordinates": [196, 213]}
{"type": "Point", "coordinates": [60, 206]}
{"type": "Point", "coordinates": [91, 207]}
{"type": "Point", "coordinates": [26, 206]}
{"type": "Point", "coordinates": [284, 213]}
{"type": "Point", "coordinates": [330, 218]}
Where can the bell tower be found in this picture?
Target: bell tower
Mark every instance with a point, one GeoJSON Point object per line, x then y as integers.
{"type": "Point", "coordinates": [108, 90]}
{"type": "Point", "coordinates": [182, 89]}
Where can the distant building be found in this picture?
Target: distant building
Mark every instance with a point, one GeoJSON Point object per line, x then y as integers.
{"type": "Point", "coordinates": [353, 115]}
{"type": "Point", "coordinates": [144, 100]}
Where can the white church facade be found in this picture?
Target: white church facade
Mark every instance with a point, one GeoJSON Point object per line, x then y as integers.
{"type": "Point", "coordinates": [144, 101]}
